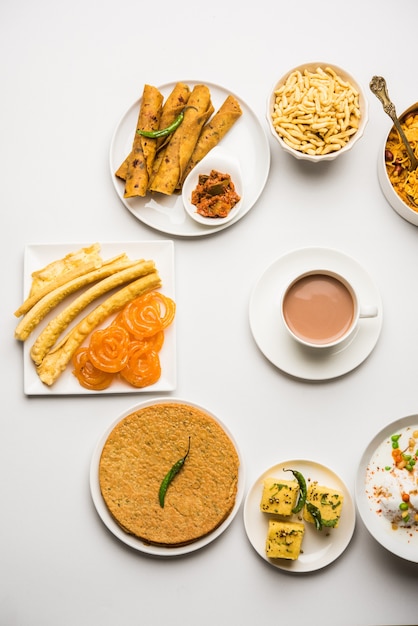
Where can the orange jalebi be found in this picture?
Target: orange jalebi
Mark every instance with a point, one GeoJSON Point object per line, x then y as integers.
{"type": "Point", "coordinates": [155, 342]}
{"type": "Point", "coordinates": [143, 368]}
{"type": "Point", "coordinates": [87, 374]}
{"type": "Point", "coordinates": [128, 347]}
{"type": "Point", "coordinates": [148, 314]}
{"type": "Point", "coordinates": [108, 348]}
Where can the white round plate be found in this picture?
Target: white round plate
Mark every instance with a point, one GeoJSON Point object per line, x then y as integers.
{"type": "Point", "coordinates": [273, 339]}
{"type": "Point", "coordinates": [403, 542]}
{"type": "Point", "coordinates": [320, 548]}
{"type": "Point", "coordinates": [247, 140]}
{"type": "Point", "coordinates": [132, 541]}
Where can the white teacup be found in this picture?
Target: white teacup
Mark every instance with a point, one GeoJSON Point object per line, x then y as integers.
{"type": "Point", "coordinates": [321, 309]}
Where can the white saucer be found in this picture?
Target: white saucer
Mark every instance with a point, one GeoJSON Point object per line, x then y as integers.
{"type": "Point", "coordinates": [271, 336]}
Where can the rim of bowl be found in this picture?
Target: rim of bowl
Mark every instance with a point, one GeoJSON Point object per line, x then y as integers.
{"type": "Point", "coordinates": [395, 201]}
{"type": "Point", "coordinates": [364, 107]}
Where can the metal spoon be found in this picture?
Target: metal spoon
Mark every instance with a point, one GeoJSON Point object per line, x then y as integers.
{"type": "Point", "coordinates": [379, 88]}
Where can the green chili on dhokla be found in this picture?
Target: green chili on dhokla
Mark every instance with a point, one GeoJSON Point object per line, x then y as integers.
{"type": "Point", "coordinates": [302, 490]}
{"type": "Point", "coordinates": [317, 517]}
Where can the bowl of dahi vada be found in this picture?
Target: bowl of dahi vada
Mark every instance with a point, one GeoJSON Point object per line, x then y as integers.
{"type": "Point", "coordinates": [213, 191]}
{"type": "Point", "coordinates": [317, 111]}
{"type": "Point", "coordinates": [398, 183]}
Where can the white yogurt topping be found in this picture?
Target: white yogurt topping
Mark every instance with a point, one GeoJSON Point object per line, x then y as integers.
{"type": "Point", "coordinates": [392, 484]}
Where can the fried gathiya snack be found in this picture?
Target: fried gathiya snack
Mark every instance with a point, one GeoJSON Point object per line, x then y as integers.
{"type": "Point", "coordinates": [183, 141]}
{"type": "Point", "coordinates": [60, 322]}
{"type": "Point", "coordinates": [135, 169]}
{"type": "Point", "coordinates": [59, 272]}
{"type": "Point", "coordinates": [57, 359]}
{"type": "Point", "coordinates": [214, 131]}
{"type": "Point", "coordinates": [316, 112]}
{"type": "Point", "coordinates": [37, 312]}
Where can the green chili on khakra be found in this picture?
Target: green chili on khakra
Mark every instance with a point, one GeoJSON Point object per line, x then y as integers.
{"type": "Point", "coordinates": [302, 490]}
{"type": "Point", "coordinates": [170, 475]}
{"type": "Point", "coordinates": [163, 132]}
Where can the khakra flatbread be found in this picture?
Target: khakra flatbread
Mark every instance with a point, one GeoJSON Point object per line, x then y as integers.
{"type": "Point", "coordinates": [136, 457]}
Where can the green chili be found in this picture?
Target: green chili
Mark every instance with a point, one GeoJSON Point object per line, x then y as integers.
{"type": "Point", "coordinates": [302, 490]}
{"type": "Point", "coordinates": [316, 514]}
{"type": "Point", "coordinates": [317, 517]}
{"type": "Point", "coordinates": [329, 523]}
{"type": "Point", "coordinates": [163, 132]}
{"type": "Point", "coordinates": [170, 475]}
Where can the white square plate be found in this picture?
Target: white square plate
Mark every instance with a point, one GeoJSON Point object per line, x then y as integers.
{"type": "Point", "coordinates": [38, 256]}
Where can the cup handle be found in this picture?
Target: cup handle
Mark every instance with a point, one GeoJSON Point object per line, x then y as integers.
{"type": "Point", "coordinates": [368, 311]}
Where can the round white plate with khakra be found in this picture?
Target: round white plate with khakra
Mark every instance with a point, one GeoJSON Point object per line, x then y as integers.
{"type": "Point", "coordinates": [130, 539]}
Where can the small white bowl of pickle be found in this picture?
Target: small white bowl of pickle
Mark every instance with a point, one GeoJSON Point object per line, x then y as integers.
{"type": "Point", "coordinates": [398, 184]}
{"type": "Point", "coordinates": [213, 191]}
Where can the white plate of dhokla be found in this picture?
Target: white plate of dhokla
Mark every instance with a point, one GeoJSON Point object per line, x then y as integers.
{"type": "Point", "coordinates": [299, 516]}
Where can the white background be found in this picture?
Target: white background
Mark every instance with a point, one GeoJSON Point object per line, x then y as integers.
{"type": "Point", "coordinates": [68, 72]}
